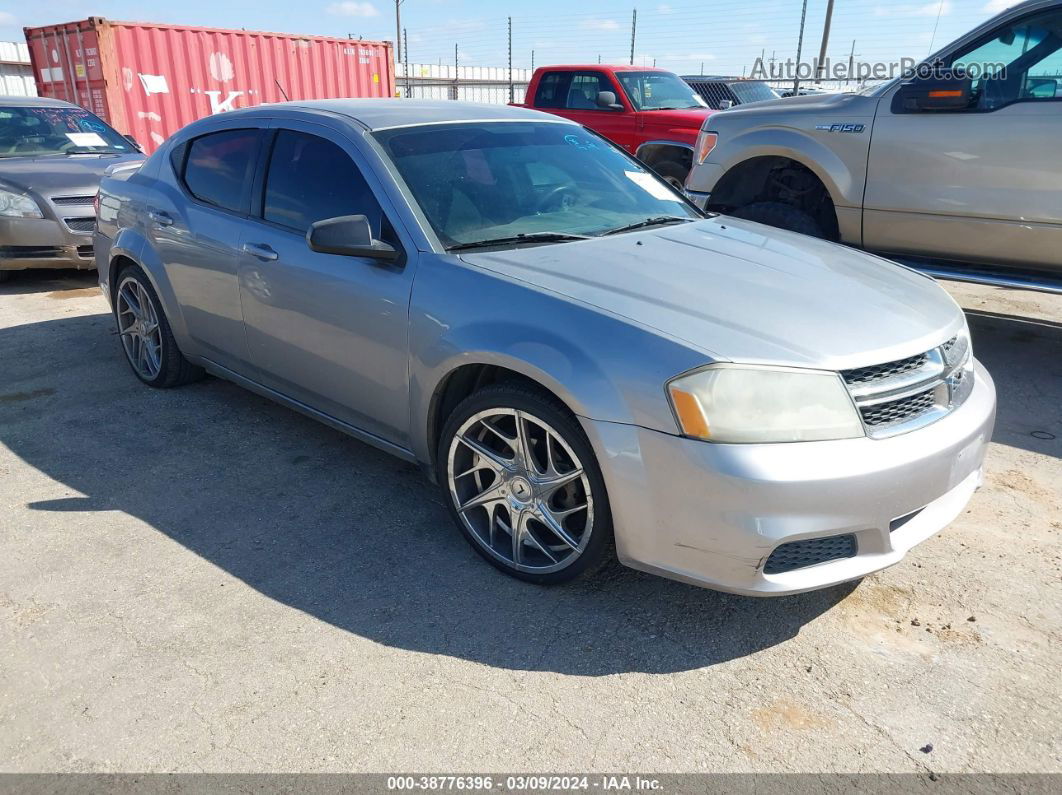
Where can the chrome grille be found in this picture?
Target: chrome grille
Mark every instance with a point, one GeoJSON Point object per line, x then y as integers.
{"type": "Point", "coordinates": [898, 410]}
{"type": "Point", "coordinates": [77, 201]}
{"type": "Point", "coordinates": [901, 395]}
{"type": "Point", "coordinates": [811, 551]}
{"type": "Point", "coordinates": [876, 372]}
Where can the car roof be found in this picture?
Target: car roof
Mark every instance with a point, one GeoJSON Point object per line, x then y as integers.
{"type": "Point", "coordinates": [35, 102]}
{"type": "Point", "coordinates": [378, 114]}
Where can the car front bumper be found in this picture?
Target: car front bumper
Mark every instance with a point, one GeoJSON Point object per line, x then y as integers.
{"type": "Point", "coordinates": [43, 243]}
{"type": "Point", "coordinates": [712, 514]}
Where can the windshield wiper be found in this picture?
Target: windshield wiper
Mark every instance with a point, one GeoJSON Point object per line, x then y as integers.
{"type": "Point", "coordinates": [654, 221]}
{"type": "Point", "coordinates": [516, 240]}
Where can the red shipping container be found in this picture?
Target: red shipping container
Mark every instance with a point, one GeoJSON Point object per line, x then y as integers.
{"type": "Point", "coordinates": [149, 80]}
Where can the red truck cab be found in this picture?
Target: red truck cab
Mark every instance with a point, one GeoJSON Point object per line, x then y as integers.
{"type": "Point", "coordinates": [652, 113]}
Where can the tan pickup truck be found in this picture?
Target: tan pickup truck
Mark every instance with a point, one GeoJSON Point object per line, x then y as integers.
{"type": "Point", "coordinates": [963, 165]}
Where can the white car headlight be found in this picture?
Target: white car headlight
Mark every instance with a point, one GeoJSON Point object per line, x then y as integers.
{"type": "Point", "coordinates": [16, 205]}
{"type": "Point", "coordinates": [741, 403]}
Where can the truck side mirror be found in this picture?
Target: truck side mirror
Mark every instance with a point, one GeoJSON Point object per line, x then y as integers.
{"type": "Point", "coordinates": [607, 100]}
{"type": "Point", "coordinates": [348, 235]}
{"type": "Point", "coordinates": [935, 94]}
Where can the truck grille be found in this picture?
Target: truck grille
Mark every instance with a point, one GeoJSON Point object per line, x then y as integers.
{"type": "Point", "coordinates": [899, 396]}
{"type": "Point", "coordinates": [810, 552]}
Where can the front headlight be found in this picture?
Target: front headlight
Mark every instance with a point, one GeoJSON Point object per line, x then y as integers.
{"type": "Point", "coordinates": [741, 403]}
{"type": "Point", "coordinates": [16, 205]}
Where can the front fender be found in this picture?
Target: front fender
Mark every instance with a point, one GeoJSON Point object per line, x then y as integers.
{"type": "Point", "coordinates": [844, 183]}
{"type": "Point", "coordinates": [600, 366]}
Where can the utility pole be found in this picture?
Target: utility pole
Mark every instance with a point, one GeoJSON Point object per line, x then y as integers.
{"type": "Point", "coordinates": [455, 71]}
{"type": "Point", "coordinates": [405, 53]}
{"type": "Point", "coordinates": [398, 31]}
{"type": "Point", "coordinates": [532, 60]}
{"type": "Point", "coordinates": [820, 67]}
{"type": "Point", "coordinates": [800, 50]}
{"type": "Point", "coordinates": [851, 62]}
{"type": "Point", "coordinates": [634, 29]}
{"type": "Point", "coordinates": [510, 60]}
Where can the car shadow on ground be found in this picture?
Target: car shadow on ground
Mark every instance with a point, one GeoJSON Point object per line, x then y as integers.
{"type": "Point", "coordinates": [47, 281]}
{"type": "Point", "coordinates": [353, 537]}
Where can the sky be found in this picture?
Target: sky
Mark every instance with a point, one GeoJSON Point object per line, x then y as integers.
{"type": "Point", "coordinates": [716, 36]}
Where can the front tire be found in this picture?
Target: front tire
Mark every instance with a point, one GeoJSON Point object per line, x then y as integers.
{"type": "Point", "coordinates": [672, 173]}
{"type": "Point", "coordinates": [521, 481]}
{"type": "Point", "coordinates": [780, 215]}
{"type": "Point", "coordinates": [145, 332]}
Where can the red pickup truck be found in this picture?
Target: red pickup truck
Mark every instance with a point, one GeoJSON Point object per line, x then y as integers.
{"type": "Point", "coordinates": [652, 113]}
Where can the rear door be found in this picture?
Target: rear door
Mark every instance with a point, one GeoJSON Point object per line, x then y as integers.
{"type": "Point", "coordinates": [980, 184]}
{"type": "Point", "coordinates": [195, 227]}
{"type": "Point", "coordinates": [326, 330]}
{"type": "Point", "coordinates": [573, 95]}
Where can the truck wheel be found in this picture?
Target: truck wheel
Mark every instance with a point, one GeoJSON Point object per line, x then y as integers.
{"type": "Point", "coordinates": [783, 216]}
{"type": "Point", "coordinates": [672, 173]}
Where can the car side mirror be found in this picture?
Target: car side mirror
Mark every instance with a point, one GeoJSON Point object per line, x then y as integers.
{"type": "Point", "coordinates": [134, 142]}
{"type": "Point", "coordinates": [936, 94]}
{"type": "Point", "coordinates": [348, 235]}
{"type": "Point", "coordinates": [726, 104]}
{"type": "Point", "coordinates": [607, 100]}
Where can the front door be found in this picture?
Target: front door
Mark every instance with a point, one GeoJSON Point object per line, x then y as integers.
{"type": "Point", "coordinates": [329, 331]}
{"type": "Point", "coordinates": [980, 184]}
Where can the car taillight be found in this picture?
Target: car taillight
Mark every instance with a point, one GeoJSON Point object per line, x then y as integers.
{"type": "Point", "coordinates": [705, 144]}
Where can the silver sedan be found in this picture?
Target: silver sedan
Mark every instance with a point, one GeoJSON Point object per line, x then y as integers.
{"type": "Point", "coordinates": [587, 365]}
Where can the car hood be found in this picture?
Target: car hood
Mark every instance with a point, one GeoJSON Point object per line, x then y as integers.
{"type": "Point", "coordinates": [50, 175]}
{"type": "Point", "coordinates": [741, 291]}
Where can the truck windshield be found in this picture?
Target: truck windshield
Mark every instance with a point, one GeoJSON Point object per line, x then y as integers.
{"type": "Point", "coordinates": [752, 91]}
{"type": "Point", "coordinates": [36, 131]}
{"type": "Point", "coordinates": [546, 181]}
{"type": "Point", "coordinates": [659, 91]}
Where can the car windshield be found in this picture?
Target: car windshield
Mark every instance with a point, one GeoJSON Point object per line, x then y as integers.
{"type": "Point", "coordinates": [35, 131]}
{"type": "Point", "coordinates": [753, 91]}
{"type": "Point", "coordinates": [495, 180]}
{"type": "Point", "coordinates": [659, 91]}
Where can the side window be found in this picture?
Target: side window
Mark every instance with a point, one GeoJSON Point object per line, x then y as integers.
{"type": "Point", "coordinates": [582, 94]}
{"type": "Point", "coordinates": [552, 89]}
{"type": "Point", "coordinates": [311, 179]}
{"type": "Point", "coordinates": [219, 167]}
{"type": "Point", "coordinates": [1022, 61]}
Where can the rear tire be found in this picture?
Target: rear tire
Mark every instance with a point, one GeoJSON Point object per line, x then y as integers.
{"type": "Point", "coordinates": [147, 339]}
{"type": "Point", "coordinates": [557, 503]}
{"type": "Point", "coordinates": [780, 215]}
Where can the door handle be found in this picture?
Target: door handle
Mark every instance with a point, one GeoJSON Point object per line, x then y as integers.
{"type": "Point", "coordinates": [260, 250]}
{"type": "Point", "coordinates": [160, 218]}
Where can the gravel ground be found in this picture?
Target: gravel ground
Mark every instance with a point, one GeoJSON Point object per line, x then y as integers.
{"type": "Point", "coordinates": [199, 580]}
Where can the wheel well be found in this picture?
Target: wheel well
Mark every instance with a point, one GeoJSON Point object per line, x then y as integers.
{"type": "Point", "coordinates": [117, 264]}
{"type": "Point", "coordinates": [776, 179]}
{"type": "Point", "coordinates": [461, 383]}
{"type": "Point", "coordinates": [654, 154]}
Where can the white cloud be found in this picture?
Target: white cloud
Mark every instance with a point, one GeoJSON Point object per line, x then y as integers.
{"type": "Point", "coordinates": [995, 6]}
{"type": "Point", "coordinates": [7, 18]}
{"type": "Point", "coordinates": [914, 9]}
{"type": "Point", "coordinates": [352, 8]}
{"type": "Point", "coordinates": [601, 24]}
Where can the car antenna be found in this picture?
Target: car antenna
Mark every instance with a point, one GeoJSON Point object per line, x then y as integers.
{"type": "Point", "coordinates": [283, 93]}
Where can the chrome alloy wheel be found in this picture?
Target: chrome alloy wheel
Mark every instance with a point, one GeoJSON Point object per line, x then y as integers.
{"type": "Point", "coordinates": [520, 490]}
{"type": "Point", "coordinates": [139, 326]}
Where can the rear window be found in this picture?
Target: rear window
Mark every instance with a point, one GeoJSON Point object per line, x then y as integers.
{"type": "Point", "coordinates": [219, 168]}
